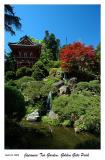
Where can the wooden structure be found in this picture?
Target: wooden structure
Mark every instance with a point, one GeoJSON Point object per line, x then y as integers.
{"type": "Point", "coordinates": [25, 52]}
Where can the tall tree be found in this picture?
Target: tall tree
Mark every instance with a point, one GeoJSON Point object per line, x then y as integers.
{"type": "Point", "coordinates": [11, 20]}
{"type": "Point", "coordinates": [52, 43]}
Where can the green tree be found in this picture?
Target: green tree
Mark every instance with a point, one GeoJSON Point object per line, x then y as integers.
{"type": "Point", "coordinates": [52, 43]}
{"type": "Point", "coordinates": [10, 63]}
{"type": "Point", "coordinates": [11, 20]}
{"type": "Point", "coordinates": [39, 70]}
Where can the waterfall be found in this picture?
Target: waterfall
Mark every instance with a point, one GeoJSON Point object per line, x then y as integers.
{"type": "Point", "coordinates": [49, 101]}
{"type": "Point", "coordinates": [65, 77]}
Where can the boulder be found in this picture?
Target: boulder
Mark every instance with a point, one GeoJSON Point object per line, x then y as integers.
{"type": "Point", "coordinates": [64, 90]}
{"type": "Point", "coordinates": [52, 115]}
{"type": "Point", "coordinates": [77, 130]}
{"type": "Point", "coordinates": [72, 81]}
{"type": "Point", "coordinates": [33, 116]}
{"type": "Point", "coordinates": [58, 84]}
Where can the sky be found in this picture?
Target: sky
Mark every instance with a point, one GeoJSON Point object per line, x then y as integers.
{"type": "Point", "coordinates": [76, 22]}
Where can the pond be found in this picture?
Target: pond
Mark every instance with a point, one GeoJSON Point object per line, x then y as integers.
{"type": "Point", "coordinates": [49, 137]}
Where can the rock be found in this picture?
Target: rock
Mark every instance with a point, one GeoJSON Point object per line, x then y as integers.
{"type": "Point", "coordinates": [77, 130]}
{"type": "Point", "coordinates": [64, 90]}
{"type": "Point", "coordinates": [33, 116]}
{"type": "Point", "coordinates": [52, 115]}
{"type": "Point", "coordinates": [58, 84]}
{"type": "Point", "coordinates": [72, 81]}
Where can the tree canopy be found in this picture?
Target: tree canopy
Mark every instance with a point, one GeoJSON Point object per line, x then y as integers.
{"type": "Point", "coordinates": [52, 43]}
{"type": "Point", "coordinates": [11, 20]}
{"type": "Point", "coordinates": [78, 56]}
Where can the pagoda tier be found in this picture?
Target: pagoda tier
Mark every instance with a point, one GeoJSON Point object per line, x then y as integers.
{"type": "Point", "coordinates": [25, 52]}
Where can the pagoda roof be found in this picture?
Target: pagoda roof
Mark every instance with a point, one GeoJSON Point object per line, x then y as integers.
{"type": "Point", "coordinates": [24, 42]}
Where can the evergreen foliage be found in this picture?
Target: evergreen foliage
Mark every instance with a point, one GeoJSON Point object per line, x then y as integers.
{"type": "Point", "coordinates": [14, 103]}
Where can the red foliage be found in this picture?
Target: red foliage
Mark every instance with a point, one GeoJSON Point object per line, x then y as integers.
{"type": "Point", "coordinates": [76, 53]}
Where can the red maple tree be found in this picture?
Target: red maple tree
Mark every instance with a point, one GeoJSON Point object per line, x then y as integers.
{"type": "Point", "coordinates": [77, 54]}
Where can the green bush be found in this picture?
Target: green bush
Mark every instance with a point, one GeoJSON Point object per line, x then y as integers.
{"type": "Point", "coordinates": [82, 86]}
{"type": "Point", "coordinates": [11, 83]}
{"type": "Point", "coordinates": [55, 72]}
{"type": "Point", "coordinates": [10, 75]}
{"type": "Point", "coordinates": [56, 64]}
{"type": "Point", "coordinates": [53, 122]}
{"type": "Point", "coordinates": [14, 103]}
{"type": "Point", "coordinates": [90, 121]}
{"type": "Point", "coordinates": [21, 82]}
{"type": "Point", "coordinates": [39, 71]}
{"type": "Point", "coordinates": [23, 71]}
{"type": "Point", "coordinates": [50, 80]}
{"type": "Point", "coordinates": [28, 71]}
{"type": "Point", "coordinates": [66, 123]}
{"type": "Point", "coordinates": [92, 86]}
{"type": "Point", "coordinates": [84, 108]}
{"type": "Point", "coordinates": [36, 91]}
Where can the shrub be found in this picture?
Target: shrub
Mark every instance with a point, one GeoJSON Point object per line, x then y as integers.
{"type": "Point", "coordinates": [14, 103]}
{"type": "Point", "coordinates": [81, 109]}
{"type": "Point", "coordinates": [66, 123]}
{"type": "Point", "coordinates": [82, 86]}
{"type": "Point", "coordinates": [36, 91]}
{"type": "Point", "coordinates": [21, 82]}
{"type": "Point", "coordinates": [28, 71]}
{"type": "Point", "coordinates": [10, 75]}
{"type": "Point", "coordinates": [23, 71]}
{"type": "Point", "coordinates": [39, 71]}
{"type": "Point", "coordinates": [53, 122]}
{"type": "Point", "coordinates": [92, 86]}
{"type": "Point", "coordinates": [11, 83]}
{"type": "Point", "coordinates": [56, 72]}
{"type": "Point", "coordinates": [56, 64]}
{"type": "Point", "coordinates": [90, 121]}
{"type": "Point", "coordinates": [50, 80]}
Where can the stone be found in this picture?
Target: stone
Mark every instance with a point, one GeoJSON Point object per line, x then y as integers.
{"type": "Point", "coordinates": [52, 115]}
{"type": "Point", "coordinates": [64, 90]}
{"type": "Point", "coordinates": [33, 116]}
{"type": "Point", "coordinates": [77, 130]}
{"type": "Point", "coordinates": [58, 84]}
{"type": "Point", "coordinates": [72, 81]}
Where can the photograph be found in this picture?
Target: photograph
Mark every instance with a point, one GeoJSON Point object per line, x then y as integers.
{"type": "Point", "coordinates": [52, 59]}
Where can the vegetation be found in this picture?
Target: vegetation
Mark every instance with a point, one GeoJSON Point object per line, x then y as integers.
{"type": "Point", "coordinates": [82, 107]}
{"type": "Point", "coordinates": [53, 122]}
{"type": "Point", "coordinates": [53, 44]}
{"type": "Point", "coordinates": [10, 75]}
{"type": "Point", "coordinates": [39, 71]}
{"type": "Point", "coordinates": [27, 89]}
{"type": "Point", "coordinates": [11, 20]}
{"type": "Point", "coordinates": [14, 103]}
{"type": "Point", "coordinates": [23, 71]}
{"type": "Point", "coordinates": [10, 64]}
{"type": "Point", "coordinates": [78, 60]}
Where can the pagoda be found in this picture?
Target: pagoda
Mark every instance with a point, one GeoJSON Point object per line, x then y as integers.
{"type": "Point", "coordinates": [25, 52]}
